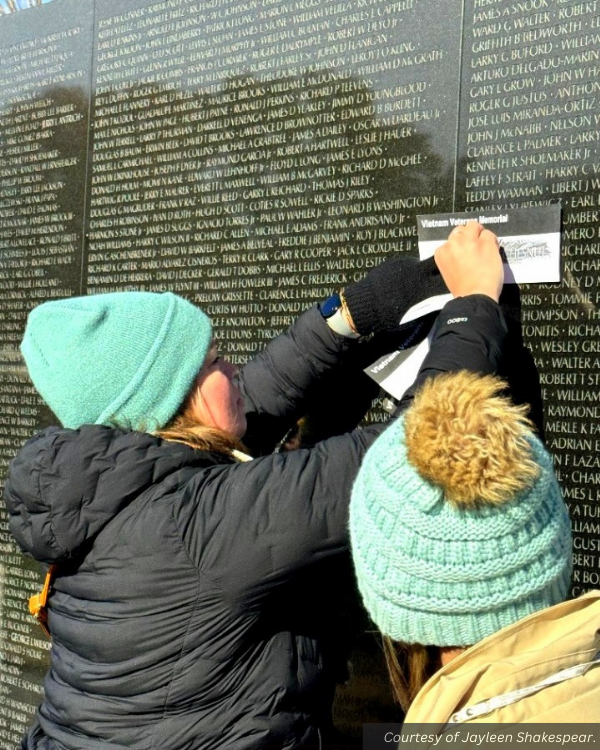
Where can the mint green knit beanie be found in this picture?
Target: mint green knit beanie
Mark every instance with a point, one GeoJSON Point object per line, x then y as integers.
{"type": "Point", "coordinates": [124, 358]}
{"type": "Point", "coordinates": [457, 524]}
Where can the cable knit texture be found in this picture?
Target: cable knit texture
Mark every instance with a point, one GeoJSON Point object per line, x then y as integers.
{"type": "Point", "coordinates": [124, 358]}
{"type": "Point", "coordinates": [449, 573]}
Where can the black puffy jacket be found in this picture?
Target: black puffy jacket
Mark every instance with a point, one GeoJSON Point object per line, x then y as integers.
{"type": "Point", "coordinates": [189, 609]}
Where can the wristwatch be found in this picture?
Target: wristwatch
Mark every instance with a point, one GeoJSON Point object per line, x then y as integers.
{"type": "Point", "coordinates": [333, 312]}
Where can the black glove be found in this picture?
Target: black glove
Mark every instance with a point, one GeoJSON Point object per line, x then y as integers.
{"type": "Point", "coordinates": [379, 300]}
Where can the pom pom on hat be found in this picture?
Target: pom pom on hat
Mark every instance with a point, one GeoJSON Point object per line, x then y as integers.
{"type": "Point", "coordinates": [447, 549]}
{"type": "Point", "coordinates": [463, 436]}
{"type": "Point", "coordinates": [124, 358]}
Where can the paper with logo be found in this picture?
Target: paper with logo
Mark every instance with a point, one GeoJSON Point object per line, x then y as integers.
{"type": "Point", "coordinates": [395, 372]}
{"type": "Point", "coordinates": [529, 237]}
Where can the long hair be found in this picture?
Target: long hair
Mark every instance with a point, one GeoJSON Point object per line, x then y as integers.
{"type": "Point", "coordinates": [409, 666]}
{"type": "Point", "coordinates": [183, 429]}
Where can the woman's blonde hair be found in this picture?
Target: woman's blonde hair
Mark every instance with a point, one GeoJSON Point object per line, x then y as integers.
{"type": "Point", "coordinates": [183, 429]}
{"type": "Point", "coordinates": [409, 666]}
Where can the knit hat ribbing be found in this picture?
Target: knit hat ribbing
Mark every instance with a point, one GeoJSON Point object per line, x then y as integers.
{"type": "Point", "coordinates": [439, 573]}
{"type": "Point", "coordinates": [126, 358]}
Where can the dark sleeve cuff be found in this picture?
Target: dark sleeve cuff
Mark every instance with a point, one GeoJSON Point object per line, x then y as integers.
{"type": "Point", "coordinates": [470, 334]}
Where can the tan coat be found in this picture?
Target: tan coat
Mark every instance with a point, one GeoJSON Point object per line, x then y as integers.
{"type": "Point", "coordinates": [519, 656]}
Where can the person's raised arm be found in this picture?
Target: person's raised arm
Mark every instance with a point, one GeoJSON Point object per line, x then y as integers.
{"type": "Point", "coordinates": [286, 511]}
{"type": "Point", "coordinates": [471, 332]}
{"type": "Point", "coordinates": [277, 382]}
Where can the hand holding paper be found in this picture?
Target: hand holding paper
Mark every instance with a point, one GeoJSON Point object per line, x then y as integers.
{"type": "Point", "coordinates": [470, 261]}
{"type": "Point", "coordinates": [530, 239]}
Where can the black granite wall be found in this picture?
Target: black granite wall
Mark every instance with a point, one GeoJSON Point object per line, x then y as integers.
{"type": "Point", "coordinates": [253, 156]}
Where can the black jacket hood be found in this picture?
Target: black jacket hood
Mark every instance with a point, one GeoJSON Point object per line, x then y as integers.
{"type": "Point", "coordinates": [65, 485]}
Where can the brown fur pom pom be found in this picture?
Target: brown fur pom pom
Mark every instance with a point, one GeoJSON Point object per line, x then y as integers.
{"type": "Point", "coordinates": [469, 440]}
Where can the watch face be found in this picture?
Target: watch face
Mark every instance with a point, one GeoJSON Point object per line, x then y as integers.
{"type": "Point", "coordinates": [331, 306]}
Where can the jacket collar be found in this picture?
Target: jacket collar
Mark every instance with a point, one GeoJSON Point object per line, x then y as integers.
{"type": "Point", "coordinates": [515, 657]}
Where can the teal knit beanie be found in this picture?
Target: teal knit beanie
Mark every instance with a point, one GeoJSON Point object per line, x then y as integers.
{"type": "Point", "coordinates": [125, 358]}
{"type": "Point", "coordinates": [457, 524]}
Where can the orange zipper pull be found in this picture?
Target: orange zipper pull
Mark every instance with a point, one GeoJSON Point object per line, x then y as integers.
{"type": "Point", "coordinates": [38, 604]}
